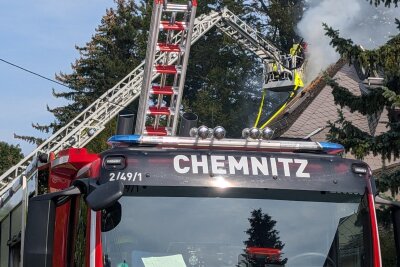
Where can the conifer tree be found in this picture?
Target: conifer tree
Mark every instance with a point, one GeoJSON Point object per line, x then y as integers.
{"type": "Point", "coordinates": [224, 80]}
{"type": "Point", "coordinates": [279, 20]}
{"type": "Point", "coordinates": [262, 234]}
{"type": "Point", "coordinates": [9, 156]}
{"type": "Point", "coordinates": [116, 48]}
{"type": "Point", "coordinates": [217, 85]}
{"type": "Point", "coordinates": [386, 61]}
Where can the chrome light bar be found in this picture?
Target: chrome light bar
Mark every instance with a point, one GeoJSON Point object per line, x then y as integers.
{"type": "Point", "coordinates": [225, 144]}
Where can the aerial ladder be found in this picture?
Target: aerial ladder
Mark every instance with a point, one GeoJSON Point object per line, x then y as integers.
{"type": "Point", "coordinates": [158, 112]}
{"type": "Point", "coordinates": [282, 71]}
{"type": "Point", "coordinates": [165, 113]}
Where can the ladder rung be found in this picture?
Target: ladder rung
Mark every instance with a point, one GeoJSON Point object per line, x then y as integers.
{"type": "Point", "coordinates": [160, 131]}
{"type": "Point", "coordinates": [177, 26]}
{"type": "Point", "coordinates": [176, 8]}
{"type": "Point", "coordinates": [167, 69]}
{"type": "Point", "coordinates": [162, 90]}
{"type": "Point", "coordinates": [168, 47]}
{"type": "Point", "coordinates": [159, 111]}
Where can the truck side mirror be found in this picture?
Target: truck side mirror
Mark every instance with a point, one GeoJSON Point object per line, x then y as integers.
{"type": "Point", "coordinates": [111, 217]}
{"type": "Point", "coordinates": [105, 195]}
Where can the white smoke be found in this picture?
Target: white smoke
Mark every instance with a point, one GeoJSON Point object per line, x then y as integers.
{"type": "Point", "coordinates": [366, 25]}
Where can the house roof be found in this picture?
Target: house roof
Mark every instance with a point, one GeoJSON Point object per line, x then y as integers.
{"type": "Point", "coordinates": [315, 106]}
{"type": "Point", "coordinates": [300, 103]}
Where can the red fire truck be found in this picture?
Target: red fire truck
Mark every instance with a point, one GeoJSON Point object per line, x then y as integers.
{"type": "Point", "coordinates": [159, 201]}
{"type": "Point", "coordinates": [155, 199]}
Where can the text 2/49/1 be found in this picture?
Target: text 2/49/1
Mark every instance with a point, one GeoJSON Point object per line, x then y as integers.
{"type": "Point", "coordinates": [125, 176]}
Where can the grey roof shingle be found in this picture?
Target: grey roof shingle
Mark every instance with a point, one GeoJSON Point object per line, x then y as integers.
{"type": "Point", "coordinates": [321, 109]}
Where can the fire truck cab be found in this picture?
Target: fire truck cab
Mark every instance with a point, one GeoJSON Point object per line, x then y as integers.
{"type": "Point", "coordinates": [192, 202]}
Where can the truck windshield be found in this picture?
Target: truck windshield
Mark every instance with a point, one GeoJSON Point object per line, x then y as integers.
{"type": "Point", "coordinates": [237, 228]}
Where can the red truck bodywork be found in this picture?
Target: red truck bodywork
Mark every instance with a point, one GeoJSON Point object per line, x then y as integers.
{"type": "Point", "coordinates": [74, 163]}
{"type": "Point", "coordinates": [68, 166]}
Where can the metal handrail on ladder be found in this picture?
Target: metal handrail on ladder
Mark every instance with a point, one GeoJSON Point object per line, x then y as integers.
{"type": "Point", "coordinates": [247, 36]}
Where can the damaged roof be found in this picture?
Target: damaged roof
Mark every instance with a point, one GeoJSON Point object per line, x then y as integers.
{"type": "Point", "coordinates": [309, 113]}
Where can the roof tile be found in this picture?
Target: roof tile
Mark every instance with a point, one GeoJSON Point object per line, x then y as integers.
{"type": "Point", "coordinates": [323, 109]}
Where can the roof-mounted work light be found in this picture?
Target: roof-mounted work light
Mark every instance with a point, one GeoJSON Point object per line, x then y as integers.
{"type": "Point", "coordinates": [359, 168]}
{"type": "Point", "coordinates": [204, 132]}
{"type": "Point", "coordinates": [255, 133]}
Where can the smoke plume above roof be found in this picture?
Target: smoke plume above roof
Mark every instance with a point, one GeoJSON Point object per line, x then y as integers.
{"type": "Point", "coordinates": [365, 24]}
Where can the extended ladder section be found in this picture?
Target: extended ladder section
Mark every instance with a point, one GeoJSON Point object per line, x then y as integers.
{"type": "Point", "coordinates": [247, 36]}
{"type": "Point", "coordinates": [89, 123]}
{"type": "Point", "coordinates": [161, 100]}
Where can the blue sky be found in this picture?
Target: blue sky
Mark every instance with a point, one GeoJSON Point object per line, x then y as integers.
{"type": "Point", "coordinates": [40, 36]}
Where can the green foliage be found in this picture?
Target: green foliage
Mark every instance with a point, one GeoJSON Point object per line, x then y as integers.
{"type": "Point", "coordinates": [280, 18]}
{"type": "Point", "coordinates": [384, 215]}
{"type": "Point", "coordinates": [367, 104]}
{"type": "Point", "coordinates": [390, 181]}
{"type": "Point", "coordinates": [361, 143]}
{"type": "Point", "coordinates": [387, 3]}
{"type": "Point", "coordinates": [117, 47]}
{"type": "Point", "coordinates": [223, 84]}
{"type": "Point", "coordinates": [388, 247]}
{"type": "Point", "coordinates": [219, 82]}
{"type": "Point", "coordinates": [351, 137]}
{"type": "Point", "coordinates": [392, 97]}
{"type": "Point", "coordinates": [79, 256]}
{"type": "Point", "coordinates": [384, 60]}
{"type": "Point", "coordinates": [345, 47]}
{"type": "Point", "coordinates": [9, 156]}
{"type": "Point", "coordinates": [220, 90]}
{"type": "Point", "coordinates": [99, 144]}
{"type": "Point", "coordinates": [30, 139]}
{"type": "Point", "coordinates": [386, 236]}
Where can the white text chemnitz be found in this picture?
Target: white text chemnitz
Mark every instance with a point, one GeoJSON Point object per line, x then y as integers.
{"type": "Point", "coordinates": [219, 164]}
